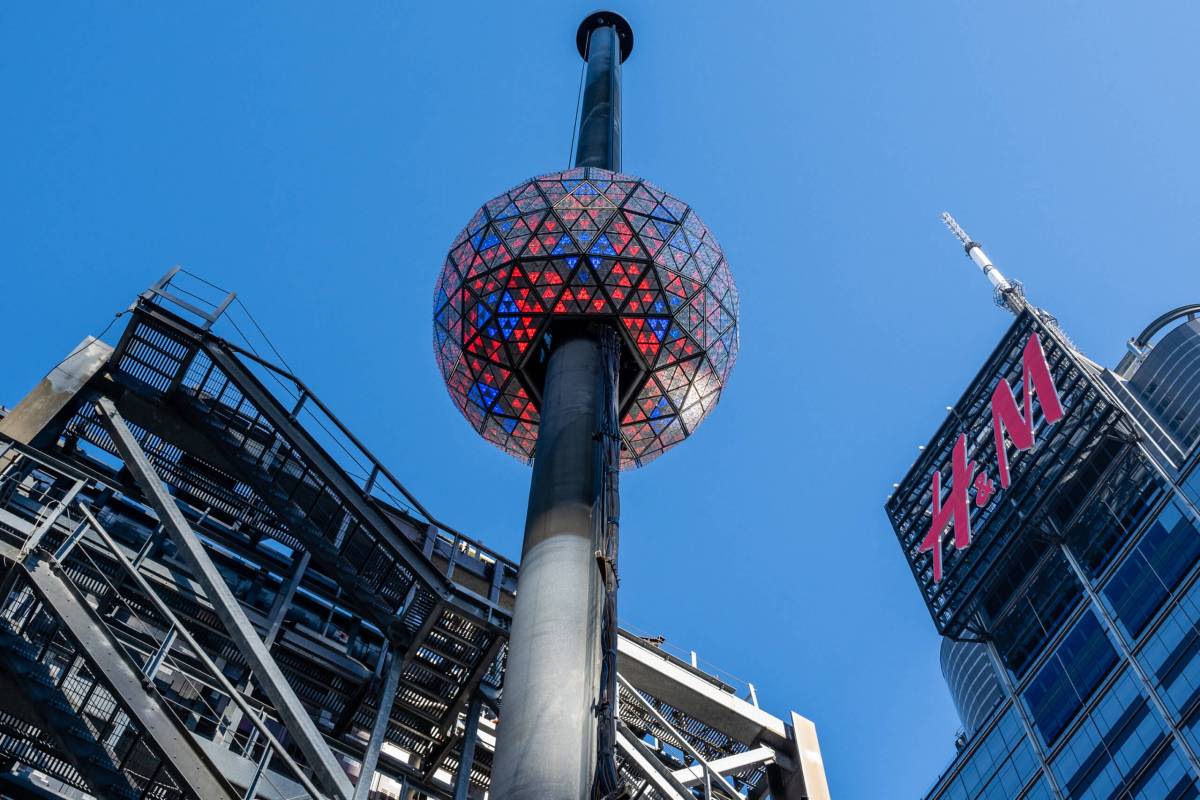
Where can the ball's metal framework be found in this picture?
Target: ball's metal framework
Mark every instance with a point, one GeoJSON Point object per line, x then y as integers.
{"type": "Point", "coordinates": [210, 588]}
{"type": "Point", "coordinates": [591, 244]}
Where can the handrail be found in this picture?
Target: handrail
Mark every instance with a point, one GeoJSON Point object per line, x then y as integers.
{"type": "Point", "coordinates": [1138, 343]}
{"type": "Point", "coordinates": [306, 395]}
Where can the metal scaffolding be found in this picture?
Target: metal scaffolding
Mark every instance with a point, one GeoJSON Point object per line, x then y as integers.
{"type": "Point", "coordinates": [211, 588]}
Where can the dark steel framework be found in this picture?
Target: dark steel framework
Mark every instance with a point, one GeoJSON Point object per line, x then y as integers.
{"type": "Point", "coordinates": [227, 446]}
{"type": "Point", "coordinates": [314, 536]}
{"type": "Point", "coordinates": [1018, 512]}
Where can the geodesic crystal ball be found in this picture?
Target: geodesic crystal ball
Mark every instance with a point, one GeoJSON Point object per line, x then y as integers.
{"type": "Point", "coordinates": [586, 243]}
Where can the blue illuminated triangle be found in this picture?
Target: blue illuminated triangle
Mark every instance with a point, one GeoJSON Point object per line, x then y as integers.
{"type": "Point", "coordinates": [483, 395]}
{"type": "Point", "coordinates": [603, 246]}
{"type": "Point", "coordinates": [507, 305]}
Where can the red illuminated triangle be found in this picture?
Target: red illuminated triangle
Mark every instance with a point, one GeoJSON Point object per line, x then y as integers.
{"type": "Point", "coordinates": [646, 298]}
{"type": "Point", "coordinates": [644, 338]}
{"type": "Point", "coordinates": [496, 254]}
{"type": "Point", "coordinates": [639, 434]}
{"type": "Point", "coordinates": [546, 238]}
{"type": "Point", "coordinates": [678, 348]}
{"type": "Point", "coordinates": [619, 233]}
{"type": "Point", "coordinates": [570, 216]}
{"type": "Point", "coordinates": [523, 292]}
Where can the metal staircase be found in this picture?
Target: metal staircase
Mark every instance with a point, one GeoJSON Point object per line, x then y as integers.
{"type": "Point", "coordinates": [263, 470]}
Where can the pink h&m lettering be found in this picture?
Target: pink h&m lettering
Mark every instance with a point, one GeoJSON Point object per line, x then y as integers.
{"type": "Point", "coordinates": [1007, 417]}
{"type": "Point", "coordinates": [1036, 378]}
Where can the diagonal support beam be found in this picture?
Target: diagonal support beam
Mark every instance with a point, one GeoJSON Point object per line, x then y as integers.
{"type": "Point", "coordinates": [379, 730]}
{"type": "Point", "coordinates": [711, 778]}
{"type": "Point", "coordinates": [328, 772]}
{"type": "Point", "coordinates": [112, 667]}
{"type": "Point", "coordinates": [645, 762]}
{"type": "Point", "coordinates": [693, 776]}
{"type": "Point", "coordinates": [462, 782]}
{"type": "Point", "coordinates": [236, 696]}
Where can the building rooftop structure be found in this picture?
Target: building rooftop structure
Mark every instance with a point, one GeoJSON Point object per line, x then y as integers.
{"type": "Point", "coordinates": [1052, 525]}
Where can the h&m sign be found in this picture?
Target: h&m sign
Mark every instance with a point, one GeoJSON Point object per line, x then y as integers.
{"type": "Point", "coordinates": [954, 511]}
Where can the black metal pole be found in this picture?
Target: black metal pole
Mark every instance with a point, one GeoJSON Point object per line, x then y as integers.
{"type": "Point", "coordinates": [560, 674]}
{"type": "Point", "coordinates": [604, 40]}
{"type": "Point", "coordinates": [546, 738]}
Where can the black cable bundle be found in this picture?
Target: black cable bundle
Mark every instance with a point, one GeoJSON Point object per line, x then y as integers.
{"type": "Point", "coordinates": [606, 516]}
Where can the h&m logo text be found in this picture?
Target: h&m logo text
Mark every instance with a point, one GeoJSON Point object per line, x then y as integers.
{"type": "Point", "coordinates": [955, 510]}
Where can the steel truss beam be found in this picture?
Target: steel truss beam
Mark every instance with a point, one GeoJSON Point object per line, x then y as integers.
{"type": "Point", "coordinates": [273, 744]}
{"type": "Point", "coordinates": [710, 777]}
{"type": "Point", "coordinates": [204, 421]}
{"type": "Point", "coordinates": [320, 758]}
{"type": "Point", "coordinates": [698, 696]}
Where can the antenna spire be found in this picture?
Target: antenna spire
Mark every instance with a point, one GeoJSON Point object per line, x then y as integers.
{"type": "Point", "coordinates": [957, 229]}
{"type": "Point", "coordinates": [1007, 294]}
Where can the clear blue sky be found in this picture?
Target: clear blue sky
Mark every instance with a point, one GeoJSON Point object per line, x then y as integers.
{"type": "Point", "coordinates": [319, 159]}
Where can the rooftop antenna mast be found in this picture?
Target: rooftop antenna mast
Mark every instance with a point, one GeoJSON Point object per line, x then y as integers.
{"type": "Point", "coordinates": [1007, 294]}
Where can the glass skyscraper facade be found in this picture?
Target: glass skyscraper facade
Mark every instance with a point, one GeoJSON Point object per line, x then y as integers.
{"type": "Point", "coordinates": [1077, 673]}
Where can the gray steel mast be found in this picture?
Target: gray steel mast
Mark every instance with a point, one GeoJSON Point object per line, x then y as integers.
{"type": "Point", "coordinates": [559, 689]}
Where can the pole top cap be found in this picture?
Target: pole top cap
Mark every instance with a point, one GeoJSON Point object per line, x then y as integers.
{"type": "Point", "coordinates": [602, 19]}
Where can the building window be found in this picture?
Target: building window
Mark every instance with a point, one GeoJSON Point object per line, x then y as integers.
{"type": "Point", "coordinates": [1129, 492]}
{"type": "Point", "coordinates": [1067, 679]}
{"type": "Point", "coordinates": [1191, 486]}
{"type": "Point", "coordinates": [1113, 745]}
{"type": "Point", "coordinates": [1171, 655]}
{"type": "Point", "coordinates": [1164, 555]}
{"type": "Point", "coordinates": [998, 768]}
{"type": "Point", "coordinates": [1166, 779]}
{"type": "Point", "coordinates": [1036, 614]}
{"type": "Point", "coordinates": [1039, 791]}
